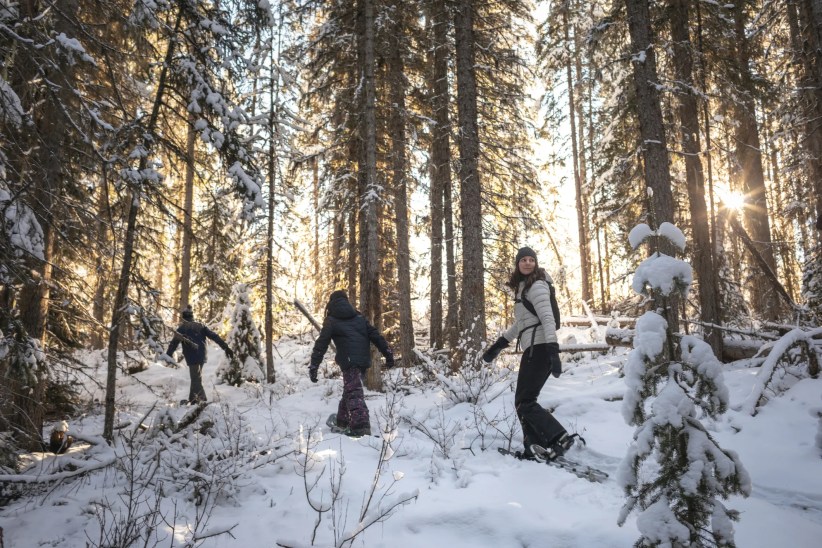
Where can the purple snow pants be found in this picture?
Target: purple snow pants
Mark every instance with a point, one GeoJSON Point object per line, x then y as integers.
{"type": "Point", "coordinates": [352, 412]}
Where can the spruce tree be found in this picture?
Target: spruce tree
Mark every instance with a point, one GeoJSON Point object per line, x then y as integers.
{"type": "Point", "coordinates": [244, 339]}
{"type": "Point", "coordinates": [812, 287]}
{"type": "Point", "coordinates": [675, 473]}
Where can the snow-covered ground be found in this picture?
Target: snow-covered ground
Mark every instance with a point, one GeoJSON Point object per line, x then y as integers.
{"type": "Point", "coordinates": [440, 458]}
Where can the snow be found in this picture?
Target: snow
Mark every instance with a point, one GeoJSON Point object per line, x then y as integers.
{"type": "Point", "coordinates": [664, 273]}
{"type": "Point", "coordinates": [639, 234]}
{"type": "Point", "coordinates": [458, 490]}
{"type": "Point", "coordinates": [768, 368]}
{"type": "Point", "coordinates": [73, 48]}
{"type": "Point", "coordinates": [642, 232]}
{"type": "Point", "coordinates": [673, 234]}
{"type": "Point", "coordinates": [11, 111]}
{"type": "Point", "coordinates": [23, 231]}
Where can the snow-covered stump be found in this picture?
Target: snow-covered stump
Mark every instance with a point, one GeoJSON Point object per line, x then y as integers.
{"type": "Point", "coordinates": [675, 473]}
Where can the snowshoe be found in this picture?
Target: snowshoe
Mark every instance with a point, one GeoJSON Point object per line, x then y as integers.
{"type": "Point", "coordinates": [580, 470]}
{"type": "Point", "coordinates": [556, 449]}
{"type": "Point", "coordinates": [519, 455]}
{"type": "Point", "coordinates": [331, 422]}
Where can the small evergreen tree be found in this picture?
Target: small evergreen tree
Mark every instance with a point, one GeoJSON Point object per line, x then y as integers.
{"type": "Point", "coordinates": [677, 491]}
{"type": "Point", "coordinates": [25, 374]}
{"type": "Point", "coordinates": [812, 288]}
{"type": "Point", "coordinates": [244, 339]}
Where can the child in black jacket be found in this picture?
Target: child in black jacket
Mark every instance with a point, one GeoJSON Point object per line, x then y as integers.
{"type": "Point", "coordinates": [352, 335]}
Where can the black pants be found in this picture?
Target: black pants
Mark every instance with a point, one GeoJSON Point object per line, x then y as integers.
{"type": "Point", "coordinates": [538, 425]}
{"type": "Point", "coordinates": [196, 392]}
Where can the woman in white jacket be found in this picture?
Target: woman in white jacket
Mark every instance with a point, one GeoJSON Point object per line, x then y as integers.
{"type": "Point", "coordinates": [534, 329]}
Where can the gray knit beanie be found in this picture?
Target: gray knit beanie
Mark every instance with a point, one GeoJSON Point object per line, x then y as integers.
{"type": "Point", "coordinates": [525, 252]}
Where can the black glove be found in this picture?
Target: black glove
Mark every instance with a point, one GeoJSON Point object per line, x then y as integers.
{"type": "Point", "coordinates": [553, 358]}
{"type": "Point", "coordinates": [229, 353]}
{"type": "Point", "coordinates": [312, 373]}
{"type": "Point", "coordinates": [389, 361]}
{"type": "Point", "coordinates": [494, 350]}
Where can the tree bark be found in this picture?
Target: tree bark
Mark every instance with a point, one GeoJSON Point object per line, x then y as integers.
{"type": "Point", "coordinates": [770, 275]}
{"type": "Point", "coordinates": [806, 33]}
{"type": "Point", "coordinates": [578, 161]}
{"type": "Point", "coordinates": [440, 159]}
{"type": "Point", "coordinates": [473, 270]}
{"type": "Point", "coordinates": [102, 271]}
{"type": "Point", "coordinates": [188, 213]}
{"type": "Point", "coordinates": [370, 267]}
{"type": "Point", "coordinates": [397, 85]}
{"type": "Point", "coordinates": [652, 129]}
{"type": "Point", "coordinates": [42, 171]}
{"type": "Point", "coordinates": [751, 174]}
{"type": "Point", "coordinates": [120, 300]}
{"type": "Point", "coordinates": [688, 114]}
{"type": "Point", "coordinates": [273, 130]}
{"type": "Point", "coordinates": [452, 315]}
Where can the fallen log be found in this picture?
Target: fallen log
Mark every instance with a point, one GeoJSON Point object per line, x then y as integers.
{"type": "Point", "coordinates": [578, 321]}
{"type": "Point", "coordinates": [301, 307]}
{"type": "Point", "coordinates": [733, 349]}
{"type": "Point", "coordinates": [592, 347]}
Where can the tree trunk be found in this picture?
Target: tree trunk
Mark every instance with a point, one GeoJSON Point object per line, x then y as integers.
{"type": "Point", "coordinates": [651, 127]}
{"type": "Point", "coordinates": [578, 161]}
{"type": "Point", "coordinates": [273, 130]}
{"type": "Point", "coordinates": [816, 129]}
{"type": "Point", "coordinates": [120, 300]}
{"type": "Point", "coordinates": [440, 159]}
{"type": "Point", "coordinates": [399, 167]}
{"type": "Point", "coordinates": [452, 316]}
{"type": "Point", "coordinates": [473, 270]}
{"type": "Point", "coordinates": [320, 285]}
{"type": "Point", "coordinates": [338, 237]}
{"type": "Point", "coordinates": [188, 215]}
{"type": "Point", "coordinates": [43, 173]}
{"type": "Point", "coordinates": [583, 169]}
{"type": "Point", "coordinates": [353, 245]}
{"type": "Point", "coordinates": [688, 114]}
{"type": "Point", "coordinates": [806, 35]}
{"type": "Point", "coordinates": [751, 175]}
{"type": "Point", "coordinates": [28, 393]}
{"type": "Point", "coordinates": [102, 271]}
{"type": "Point", "coordinates": [356, 232]}
{"type": "Point", "coordinates": [370, 283]}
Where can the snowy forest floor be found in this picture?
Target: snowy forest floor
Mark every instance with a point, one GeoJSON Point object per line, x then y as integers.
{"type": "Point", "coordinates": [258, 467]}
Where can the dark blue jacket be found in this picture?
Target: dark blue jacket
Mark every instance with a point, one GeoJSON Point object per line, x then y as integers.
{"type": "Point", "coordinates": [352, 335]}
{"type": "Point", "coordinates": [193, 336]}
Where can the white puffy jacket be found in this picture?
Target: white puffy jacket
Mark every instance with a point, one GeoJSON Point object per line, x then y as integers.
{"type": "Point", "coordinates": [540, 296]}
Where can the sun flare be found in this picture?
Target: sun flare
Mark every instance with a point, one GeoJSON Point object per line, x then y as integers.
{"type": "Point", "coordinates": [731, 199]}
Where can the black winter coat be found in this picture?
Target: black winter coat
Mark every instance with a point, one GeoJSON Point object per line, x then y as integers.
{"type": "Point", "coordinates": [193, 336]}
{"type": "Point", "coordinates": [352, 335]}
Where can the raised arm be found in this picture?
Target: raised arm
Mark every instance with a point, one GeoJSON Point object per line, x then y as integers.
{"type": "Point", "coordinates": [321, 344]}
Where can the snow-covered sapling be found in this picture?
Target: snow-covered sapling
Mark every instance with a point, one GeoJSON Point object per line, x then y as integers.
{"type": "Point", "coordinates": [675, 473]}
{"type": "Point", "coordinates": [244, 340]}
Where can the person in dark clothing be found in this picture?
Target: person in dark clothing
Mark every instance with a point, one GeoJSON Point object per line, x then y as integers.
{"type": "Point", "coordinates": [535, 330]}
{"type": "Point", "coordinates": [352, 335]}
{"type": "Point", "coordinates": [193, 336]}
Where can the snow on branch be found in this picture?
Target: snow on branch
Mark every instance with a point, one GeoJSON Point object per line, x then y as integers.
{"type": "Point", "coordinates": [777, 355]}
{"type": "Point", "coordinates": [642, 232]}
{"type": "Point", "coordinates": [67, 466]}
